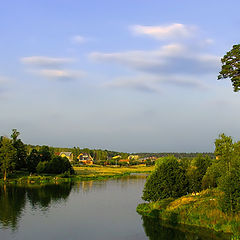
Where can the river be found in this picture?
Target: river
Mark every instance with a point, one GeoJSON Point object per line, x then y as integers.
{"type": "Point", "coordinates": [101, 210]}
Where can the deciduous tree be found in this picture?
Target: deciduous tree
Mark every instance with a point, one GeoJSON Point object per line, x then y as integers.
{"type": "Point", "coordinates": [7, 156]}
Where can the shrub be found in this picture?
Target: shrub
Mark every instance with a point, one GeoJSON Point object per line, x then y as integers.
{"type": "Point", "coordinates": [166, 181]}
{"type": "Point", "coordinates": [42, 167]}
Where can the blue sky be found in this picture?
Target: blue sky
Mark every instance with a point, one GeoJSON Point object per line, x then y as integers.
{"type": "Point", "coordinates": [136, 76]}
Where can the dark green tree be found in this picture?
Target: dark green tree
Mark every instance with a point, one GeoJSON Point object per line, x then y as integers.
{"type": "Point", "coordinates": [21, 152]}
{"type": "Point", "coordinates": [231, 67]}
{"type": "Point", "coordinates": [45, 154]}
{"type": "Point", "coordinates": [32, 161]}
{"type": "Point", "coordinates": [15, 135]}
{"type": "Point", "coordinates": [167, 180]}
{"type": "Point", "coordinates": [229, 183]}
{"type": "Point", "coordinates": [7, 156]}
{"type": "Point", "coordinates": [197, 171]}
{"type": "Point", "coordinates": [60, 165]}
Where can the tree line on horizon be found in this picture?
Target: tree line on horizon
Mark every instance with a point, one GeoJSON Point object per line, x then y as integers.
{"type": "Point", "coordinates": [15, 155]}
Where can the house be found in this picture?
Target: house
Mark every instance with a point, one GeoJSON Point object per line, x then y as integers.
{"type": "Point", "coordinates": [124, 161]}
{"type": "Point", "coordinates": [133, 157]}
{"type": "Point", "coordinates": [85, 159]}
{"type": "Point", "coordinates": [68, 155]}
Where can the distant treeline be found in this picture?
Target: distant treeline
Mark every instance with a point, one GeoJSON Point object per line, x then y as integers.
{"type": "Point", "coordinates": [99, 154]}
{"type": "Point", "coordinates": [175, 154]}
{"type": "Point", "coordinates": [96, 154]}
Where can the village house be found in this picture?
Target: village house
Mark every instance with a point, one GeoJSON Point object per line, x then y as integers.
{"type": "Point", "coordinates": [68, 155]}
{"type": "Point", "coordinates": [85, 159]}
{"type": "Point", "coordinates": [126, 161]}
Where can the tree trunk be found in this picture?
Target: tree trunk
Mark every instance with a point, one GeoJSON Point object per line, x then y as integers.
{"type": "Point", "coordinates": [5, 175]}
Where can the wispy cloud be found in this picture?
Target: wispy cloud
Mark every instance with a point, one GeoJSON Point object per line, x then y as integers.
{"type": "Point", "coordinates": [52, 68]}
{"type": "Point", "coordinates": [177, 63]}
{"type": "Point", "coordinates": [173, 58]}
{"type": "Point", "coordinates": [57, 74]}
{"type": "Point", "coordinates": [43, 61]}
{"type": "Point", "coordinates": [78, 39]}
{"type": "Point", "coordinates": [154, 84]}
{"type": "Point", "coordinates": [140, 83]}
{"type": "Point", "coordinates": [164, 32]}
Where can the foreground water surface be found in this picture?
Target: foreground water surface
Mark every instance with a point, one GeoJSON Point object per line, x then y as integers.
{"type": "Point", "coordinates": [87, 210]}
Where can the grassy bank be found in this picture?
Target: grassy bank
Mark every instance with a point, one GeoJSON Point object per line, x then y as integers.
{"type": "Point", "coordinates": [81, 174]}
{"type": "Point", "coordinates": [202, 210]}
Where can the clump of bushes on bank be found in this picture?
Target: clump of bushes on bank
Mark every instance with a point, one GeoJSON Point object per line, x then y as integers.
{"type": "Point", "coordinates": [202, 191]}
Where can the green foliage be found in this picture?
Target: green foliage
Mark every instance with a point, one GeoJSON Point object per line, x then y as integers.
{"type": "Point", "coordinates": [60, 165]}
{"type": "Point", "coordinates": [45, 154]}
{"type": "Point", "coordinates": [32, 161]}
{"type": "Point", "coordinates": [57, 165]}
{"type": "Point", "coordinates": [15, 135]}
{"type": "Point", "coordinates": [196, 172]}
{"type": "Point", "coordinates": [167, 180]}
{"type": "Point", "coordinates": [21, 154]}
{"type": "Point", "coordinates": [225, 173]}
{"type": "Point", "coordinates": [42, 167]}
{"type": "Point", "coordinates": [230, 185]}
{"type": "Point", "coordinates": [231, 67]}
{"type": "Point", "coordinates": [7, 156]}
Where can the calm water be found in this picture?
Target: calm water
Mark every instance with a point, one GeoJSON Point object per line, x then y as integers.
{"type": "Point", "coordinates": [87, 210]}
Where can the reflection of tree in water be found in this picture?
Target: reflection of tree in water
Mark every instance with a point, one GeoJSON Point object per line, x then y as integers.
{"type": "Point", "coordinates": [12, 202]}
{"type": "Point", "coordinates": [136, 178]}
{"type": "Point", "coordinates": [43, 196]}
{"type": "Point", "coordinates": [155, 229]}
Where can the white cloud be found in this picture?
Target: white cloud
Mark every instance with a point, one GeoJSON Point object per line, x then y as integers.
{"type": "Point", "coordinates": [78, 39]}
{"type": "Point", "coordinates": [164, 32]}
{"type": "Point", "coordinates": [43, 61]}
{"type": "Point", "coordinates": [180, 63]}
{"type": "Point", "coordinates": [173, 58]}
{"type": "Point", "coordinates": [139, 83]}
{"type": "Point", "coordinates": [154, 84]}
{"type": "Point", "coordinates": [57, 74]}
{"type": "Point", "coordinates": [52, 68]}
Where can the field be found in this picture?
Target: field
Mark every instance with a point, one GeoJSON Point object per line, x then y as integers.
{"type": "Point", "coordinates": [109, 171]}
{"type": "Point", "coordinates": [83, 173]}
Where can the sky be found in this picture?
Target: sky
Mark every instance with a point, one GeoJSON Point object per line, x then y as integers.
{"type": "Point", "coordinates": [129, 75]}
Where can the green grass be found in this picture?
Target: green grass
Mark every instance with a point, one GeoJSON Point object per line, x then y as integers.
{"type": "Point", "coordinates": [202, 210]}
{"type": "Point", "coordinates": [84, 173]}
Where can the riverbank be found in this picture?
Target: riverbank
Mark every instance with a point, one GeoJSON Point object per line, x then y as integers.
{"type": "Point", "coordinates": [202, 210]}
{"type": "Point", "coordinates": [84, 173]}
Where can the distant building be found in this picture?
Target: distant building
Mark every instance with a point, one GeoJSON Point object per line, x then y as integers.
{"type": "Point", "coordinates": [127, 161]}
{"type": "Point", "coordinates": [85, 159]}
{"type": "Point", "coordinates": [133, 157]}
{"type": "Point", "coordinates": [68, 155]}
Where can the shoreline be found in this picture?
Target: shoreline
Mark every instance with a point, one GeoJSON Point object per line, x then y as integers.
{"type": "Point", "coordinates": [82, 174]}
{"type": "Point", "coordinates": [201, 210]}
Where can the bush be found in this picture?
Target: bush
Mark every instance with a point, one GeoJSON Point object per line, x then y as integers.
{"type": "Point", "coordinates": [42, 167]}
{"type": "Point", "coordinates": [60, 165]}
{"type": "Point", "coordinates": [57, 165]}
{"type": "Point", "coordinates": [166, 181]}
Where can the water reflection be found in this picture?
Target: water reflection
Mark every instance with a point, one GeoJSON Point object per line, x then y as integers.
{"type": "Point", "coordinates": [13, 200]}
{"type": "Point", "coordinates": [84, 210]}
{"type": "Point", "coordinates": [156, 229]}
{"type": "Point", "coordinates": [45, 196]}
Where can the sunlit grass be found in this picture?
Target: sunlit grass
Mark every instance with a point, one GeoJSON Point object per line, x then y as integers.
{"type": "Point", "coordinates": [110, 170]}
{"type": "Point", "coordinates": [201, 210]}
